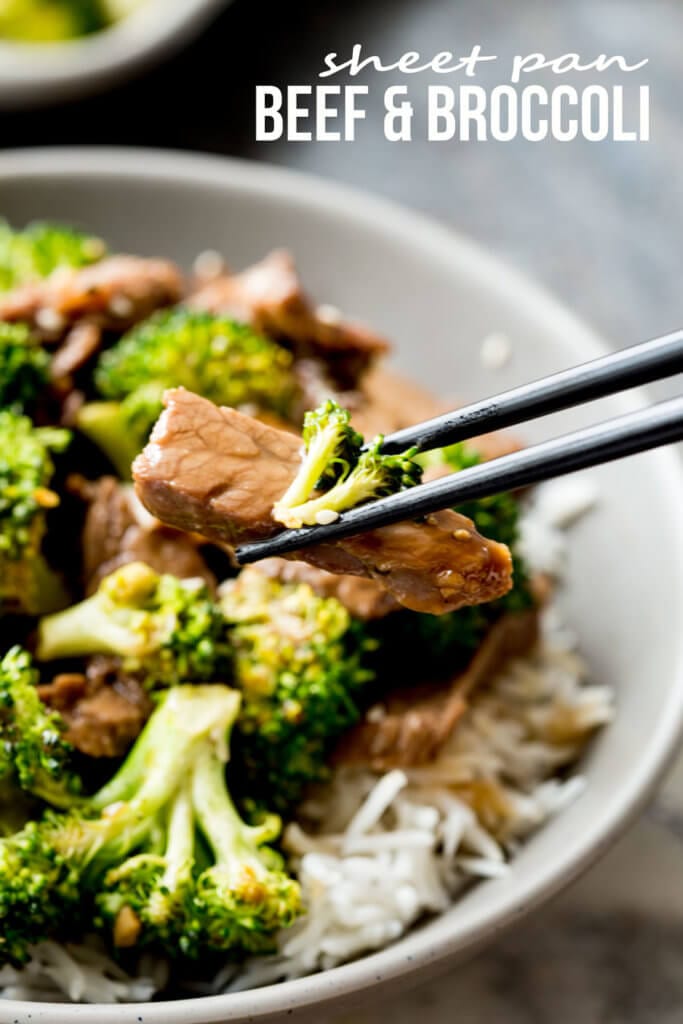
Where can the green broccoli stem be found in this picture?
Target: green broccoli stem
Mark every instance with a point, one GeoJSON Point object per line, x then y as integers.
{"type": "Point", "coordinates": [235, 844]}
{"type": "Point", "coordinates": [168, 744]}
{"type": "Point", "coordinates": [180, 840]}
{"type": "Point", "coordinates": [173, 849]}
{"type": "Point", "coordinates": [106, 425]}
{"type": "Point", "coordinates": [86, 629]}
{"type": "Point", "coordinates": [359, 486]}
{"type": "Point", "coordinates": [320, 453]}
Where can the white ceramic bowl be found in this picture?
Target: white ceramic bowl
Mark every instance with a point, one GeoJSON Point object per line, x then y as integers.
{"type": "Point", "coordinates": [33, 74]}
{"type": "Point", "coordinates": [437, 295]}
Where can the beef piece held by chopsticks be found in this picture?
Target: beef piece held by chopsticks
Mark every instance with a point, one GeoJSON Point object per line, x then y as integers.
{"type": "Point", "coordinates": [217, 472]}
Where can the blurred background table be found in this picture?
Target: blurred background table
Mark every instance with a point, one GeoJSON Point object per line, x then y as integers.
{"type": "Point", "coordinates": [600, 225]}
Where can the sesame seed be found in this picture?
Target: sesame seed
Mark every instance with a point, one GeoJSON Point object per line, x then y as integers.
{"type": "Point", "coordinates": [209, 264]}
{"type": "Point", "coordinates": [326, 516]}
{"type": "Point", "coordinates": [496, 351]}
{"type": "Point", "coordinates": [461, 534]}
{"type": "Point", "coordinates": [328, 314]}
{"type": "Point", "coordinates": [50, 320]}
{"type": "Point", "coordinates": [121, 306]}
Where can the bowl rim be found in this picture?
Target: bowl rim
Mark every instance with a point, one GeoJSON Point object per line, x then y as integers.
{"type": "Point", "coordinates": [391, 966]}
{"type": "Point", "coordinates": [47, 73]}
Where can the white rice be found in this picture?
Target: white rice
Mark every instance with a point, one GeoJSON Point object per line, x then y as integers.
{"type": "Point", "coordinates": [375, 853]}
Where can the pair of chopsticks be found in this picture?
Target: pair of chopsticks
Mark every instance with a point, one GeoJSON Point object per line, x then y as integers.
{"type": "Point", "coordinates": [635, 432]}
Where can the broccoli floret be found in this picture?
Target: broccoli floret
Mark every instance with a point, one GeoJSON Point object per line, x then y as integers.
{"type": "Point", "coordinates": [130, 859]}
{"type": "Point", "coordinates": [47, 21]}
{"type": "Point", "coordinates": [335, 465]}
{"type": "Point", "coordinates": [147, 899]}
{"type": "Point", "coordinates": [225, 361]}
{"type": "Point", "coordinates": [26, 468]}
{"type": "Point", "coordinates": [34, 253]}
{"type": "Point", "coordinates": [23, 367]}
{"type": "Point", "coordinates": [164, 629]}
{"type": "Point", "coordinates": [245, 896]}
{"type": "Point", "coordinates": [33, 752]}
{"type": "Point", "coordinates": [120, 429]}
{"type": "Point", "coordinates": [300, 662]}
{"type": "Point", "coordinates": [39, 887]}
{"type": "Point", "coordinates": [332, 448]}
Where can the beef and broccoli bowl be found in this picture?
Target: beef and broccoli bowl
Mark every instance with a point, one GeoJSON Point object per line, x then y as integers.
{"type": "Point", "coordinates": [216, 777]}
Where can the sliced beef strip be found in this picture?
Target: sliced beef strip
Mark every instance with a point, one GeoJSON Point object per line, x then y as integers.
{"type": "Point", "coordinates": [412, 725]}
{"type": "Point", "coordinates": [315, 386]}
{"type": "Point", "coordinates": [115, 293]}
{"type": "Point", "coordinates": [80, 345]}
{"type": "Point", "coordinates": [104, 709]}
{"type": "Point", "coordinates": [270, 296]}
{"type": "Point", "coordinates": [114, 536]}
{"type": "Point", "coordinates": [214, 471]}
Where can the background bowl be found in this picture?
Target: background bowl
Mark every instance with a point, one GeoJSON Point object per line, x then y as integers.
{"type": "Point", "coordinates": [437, 296]}
{"type": "Point", "coordinates": [34, 74]}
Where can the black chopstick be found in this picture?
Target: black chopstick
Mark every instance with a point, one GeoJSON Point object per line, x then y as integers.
{"type": "Point", "coordinates": [635, 432]}
{"type": "Point", "coordinates": [627, 368]}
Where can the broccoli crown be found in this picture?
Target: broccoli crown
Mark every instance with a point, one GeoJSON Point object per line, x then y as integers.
{"type": "Point", "coordinates": [23, 367]}
{"type": "Point", "coordinates": [335, 464]}
{"type": "Point", "coordinates": [33, 750]}
{"type": "Point", "coordinates": [225, 361]}
{"type": "Point", "coordinates": [120, 429]}
{"type": "Point", "coordinates": [50, 20]}
{"type": "Point", "coordinates": [147, 899]}
{"type": "Point", "coordinates": [34, 253]}
{"type": "Point", "coordinates": [132, 855]}
{"type": "Point", "coordinates": [245, 897]}
{"type": "Point", "coordinates": [300, 662]}
{"type": "Point", "coordinates": [329, 437]}
{"type": "Point", "coordinates": [39, 889]}
{"type": "Point", "coordinates": [54, 866]}
{"type": "Point", "coordinates": [331, 448]}
{"type": "Point", "coordinates": [166, 630]}
{"type": "Point", "coordinates": [214, 356]}
{"type": "Point", "coordinates": [26, 469]}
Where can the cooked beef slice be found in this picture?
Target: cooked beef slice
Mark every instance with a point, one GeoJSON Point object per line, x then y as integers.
{"type": "Point", "coordinates": [79, 346]}
{"type": "Point", "coordinates": [411, 726]}
{"type": "Point", "coordinates": [316, 385]}
{"type": "Point", "coordinates": [104, 709]}
{"type": "Point", "coordinates": [115, 293]}
{"type": "Point", "coordinates": [269, 296]}
{"type": "Point", "coordinates": [114, 535]}
{"type": "Point", "coordinates": [214, 471]}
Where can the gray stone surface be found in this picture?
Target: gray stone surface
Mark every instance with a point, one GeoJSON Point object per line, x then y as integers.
{"type": "Point", "coordinates": [600, 225]}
